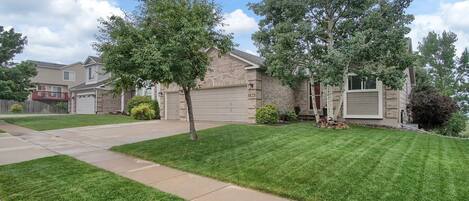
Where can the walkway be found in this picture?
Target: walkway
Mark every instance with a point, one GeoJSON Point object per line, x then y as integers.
{"type": "Point", "coordinates": [90, 144]}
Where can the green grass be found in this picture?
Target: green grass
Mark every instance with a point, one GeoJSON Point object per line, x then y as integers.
{"type": "Point", "coordinates": [302, 162]}
{"type": "Point", "coordinates": [68, 121]}
{"type": "Point", "coordinates": [64, 178]}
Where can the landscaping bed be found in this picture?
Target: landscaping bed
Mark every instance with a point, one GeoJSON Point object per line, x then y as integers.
{"type": "Point", "coordinates": [301, 162]}
{"type": "Point", "coordinates": [68, 121]}
{"type": "Point", "coordinates": [64, 178]}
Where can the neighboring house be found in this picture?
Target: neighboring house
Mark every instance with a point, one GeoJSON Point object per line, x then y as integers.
{"type": "Point", "coordinates": [53, 81]}
{"type": "Point", "coordinates": [94, 95]}
{"type": "Point", "coordinates": [236, 85]}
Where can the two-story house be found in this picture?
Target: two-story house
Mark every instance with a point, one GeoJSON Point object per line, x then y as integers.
{"type": "Point", "coordinates": [94, 95]}
{"type": "Point", "coordinates": [53, 81]}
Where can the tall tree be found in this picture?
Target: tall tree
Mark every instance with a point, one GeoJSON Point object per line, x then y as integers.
{"type": "Point", "coordinates": [439, 56]}
{"type": "Point", "coordinates": [327, 40]}
{"type": "Point", "coordinates": [462, 82]}
{"type": "Point", "coordinates": [165, 43]}
{"type": "Point", "coordinates": [15, 82]}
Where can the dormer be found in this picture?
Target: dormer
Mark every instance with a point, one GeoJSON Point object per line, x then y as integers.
{"type": "Point", "coordinates": [94, 71]}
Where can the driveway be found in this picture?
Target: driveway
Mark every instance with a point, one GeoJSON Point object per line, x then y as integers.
{"type": "Point", "coordinates": [27, 144]}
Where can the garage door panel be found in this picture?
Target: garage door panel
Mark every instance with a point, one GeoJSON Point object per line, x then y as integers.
{"type": "Point", "coordinates": [85, 104]}
{"type": "Point", "coordinates": [224, 104]}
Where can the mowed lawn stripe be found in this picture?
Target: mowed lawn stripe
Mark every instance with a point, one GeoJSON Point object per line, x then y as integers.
{"type": "Point", "coordinates": [302, 162]}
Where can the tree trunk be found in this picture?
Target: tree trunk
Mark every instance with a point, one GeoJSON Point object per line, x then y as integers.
{"type": "Point", "coordinates": [187, 96]}
{"type": "Point", "coordinates": [313, 96]}
{"type": "Point", "coordinates": [342, 91]}
{"type": "Point", "coordinates": [329, 94]}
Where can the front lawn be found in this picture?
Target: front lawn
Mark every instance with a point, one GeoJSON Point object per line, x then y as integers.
{"type": "Point", "coordinates": [302, 162]}
{"type": "Point", "coordinates": [68, 121]}
{"type": "Point", "coordinates": [64, 178]}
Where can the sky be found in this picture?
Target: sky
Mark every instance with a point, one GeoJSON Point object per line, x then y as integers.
{"type": "Point", "coordinates": [63, 31]}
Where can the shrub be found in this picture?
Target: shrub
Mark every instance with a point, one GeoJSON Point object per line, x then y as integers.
{"type": "Point", "coordinates": [267, 115]}
{"type": "Point", "coordinates": [16, 108]}
{"type": "Point", "coordinates": [62, 106]}
{"type": "Point", "coordinates": [137, 100]}
{"type": "Point", "coordinates": [143, 111]}
{"type": "Point", "coordinates": [289, 116]}
{"type": "Point", "coordinates": [430, 109]}
{"type": "Point", "coordinates": [455, 125]}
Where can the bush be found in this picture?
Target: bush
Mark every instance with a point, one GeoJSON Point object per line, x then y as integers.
{"type": "Point", "coordinates": [430, 109]}
{"type": "Point", "coordinates": [62, 106]}
{"type": "Point", "coordinates": [455, 125]}
{"type": "Point", "coordinates": [289, 116]}
{"type": "Point", "coordinates": [267, 115]}
{"type": "Point", "coordinates": [16, 108]}
{"type": "Point", "coordinates": [138, 100]}
{"type": "Point", "coordinates": [143, 111]}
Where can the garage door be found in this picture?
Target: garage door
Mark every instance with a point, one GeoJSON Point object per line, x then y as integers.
{"type": "Point", "coordinates": [86, 104]}
{"type": "Point", "coordinates": [224, 104]}
{"type": "Point", "coordinates": [172, 102]}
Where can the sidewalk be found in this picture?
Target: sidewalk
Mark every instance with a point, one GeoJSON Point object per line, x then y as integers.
{"type": "Point", "coordinates": [176, 182]}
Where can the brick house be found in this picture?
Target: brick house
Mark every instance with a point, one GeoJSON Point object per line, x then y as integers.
{"type": "Point", "coordinates": [236, 85]}
{"type": "Point", "coordinates": [94, 95]}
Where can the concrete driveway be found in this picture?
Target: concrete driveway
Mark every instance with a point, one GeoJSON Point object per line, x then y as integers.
{"type": "Point", "coordinates": [107, 136]}
{"type": "Point", "coordinates": [26, 144]}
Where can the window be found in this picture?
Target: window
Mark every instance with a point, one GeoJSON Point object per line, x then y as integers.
{"type": "Point", "coordinates": [69, 76]}
{"type": "Point", "coordinates": [357, 83]}
{"type": "Point", "coordinates": [90, 73]}
{"type": "Point", "coordinates": [56, 91]}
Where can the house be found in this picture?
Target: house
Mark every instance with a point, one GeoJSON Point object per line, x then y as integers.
{"type": "Point", "coordinates": [53, 81]}
{"type": "Point", "coordinates": [94, 95]}
{"type": "Point", "coordinates": [236, 85]}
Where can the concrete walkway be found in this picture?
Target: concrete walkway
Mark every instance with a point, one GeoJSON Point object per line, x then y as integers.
{"type": "Point", "coordinates": [90, 144]}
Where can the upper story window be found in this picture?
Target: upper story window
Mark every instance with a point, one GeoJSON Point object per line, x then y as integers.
{"type": "Point", "coordinates": [91, 74]}
{"type": "Point", "coordinates": [359, 84]}
{"type": "Point", "coordinates": [69, 76]}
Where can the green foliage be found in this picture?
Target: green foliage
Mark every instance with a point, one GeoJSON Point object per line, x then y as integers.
{"type": "Point", "coordinates": [62, 106]}
{"type": "Point", "coordinates": [430, 109]}
{"type": "Point", "coordinates": [164, 43]}
{"type": "Point", "coordinates": [267, 115]}
{"type": "Point", "coordinates": [455, 125]}
{"type": "Point", "coordinates": [143, 111]}
{"type": "Point", "coordinates": [11, 43]}
{"type": "Point", "coordinates": [138, 100]}
{"type": "Point", "coordinates": [16, 108]}
{"type": "Point", "coordinates": [15, 82]}
{"type": "Point", "coordinates": [333, 38]}
{"type": "Point", "coordinates": [289, 116]}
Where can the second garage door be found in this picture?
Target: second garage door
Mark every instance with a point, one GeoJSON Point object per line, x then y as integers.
{"type": "Point", "coordinates": [85, 104]}
{"type": "Point", "coordinates": [223, 104]}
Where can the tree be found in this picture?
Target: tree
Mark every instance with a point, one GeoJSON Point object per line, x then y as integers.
{"type": "Point", "coordinates": [448, 73]}
{"type": "Point", "coordinates": [327, 40]}
{"type": "Point", "coordinates": [165, 43]}
{"type": "Point", "coordinates": [438, 54]}
{"type": "Point", "coordinates": [15, 82]}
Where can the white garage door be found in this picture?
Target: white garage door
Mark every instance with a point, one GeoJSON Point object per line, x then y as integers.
{"type": "Point", "coordinates": [172, 102]}
{"type": "Point", "coordinates": [86, 104]}
{"type": "Point", "coordinates": [223, 104]}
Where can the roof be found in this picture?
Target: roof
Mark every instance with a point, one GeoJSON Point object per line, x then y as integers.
{"type": "Point", "coordinates": [42, 64]}
{"type": "Point", "coordinates": [249, 57]}
{"type": "Point", "coordinates": [84, 86]}
{"type": "Point", "coordinates": [96, 59]}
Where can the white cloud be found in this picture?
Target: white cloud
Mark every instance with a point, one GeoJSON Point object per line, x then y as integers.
{"type": "Point", "coordinates": [238, 22]}
{"type": "Point", "coordinates": [450, 17]}
{"type": "Point", "coordinates": [57, 30]}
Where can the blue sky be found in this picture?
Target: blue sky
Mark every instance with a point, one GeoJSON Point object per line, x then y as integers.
{"type": "Point", "coordinates": [63, 31]}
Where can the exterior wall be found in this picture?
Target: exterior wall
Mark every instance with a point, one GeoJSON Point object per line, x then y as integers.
{"type": "Point", "coordinates": [107, 102]}
{"type": "Point", "coordinates": [55, 76]}
{"type": "Point", "coordinates": [404, 98]}
{"type": "Point", "coordinates": [273, 92]}
{"type": "Point", "coordinates": [98, 71]}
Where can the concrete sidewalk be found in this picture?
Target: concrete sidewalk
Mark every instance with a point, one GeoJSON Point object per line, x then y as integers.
{"type": "Point", "coordinates": [90, 145]}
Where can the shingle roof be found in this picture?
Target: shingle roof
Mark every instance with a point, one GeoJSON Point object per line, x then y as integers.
{"type": "Point", "coordinates": [250, 57]}
{"type": "Point", "coordinates": [97, 59]}
{"type": "Point", "coordinates": [42, 64]}
{"type": "Point", "coordinates": [84, 86]}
